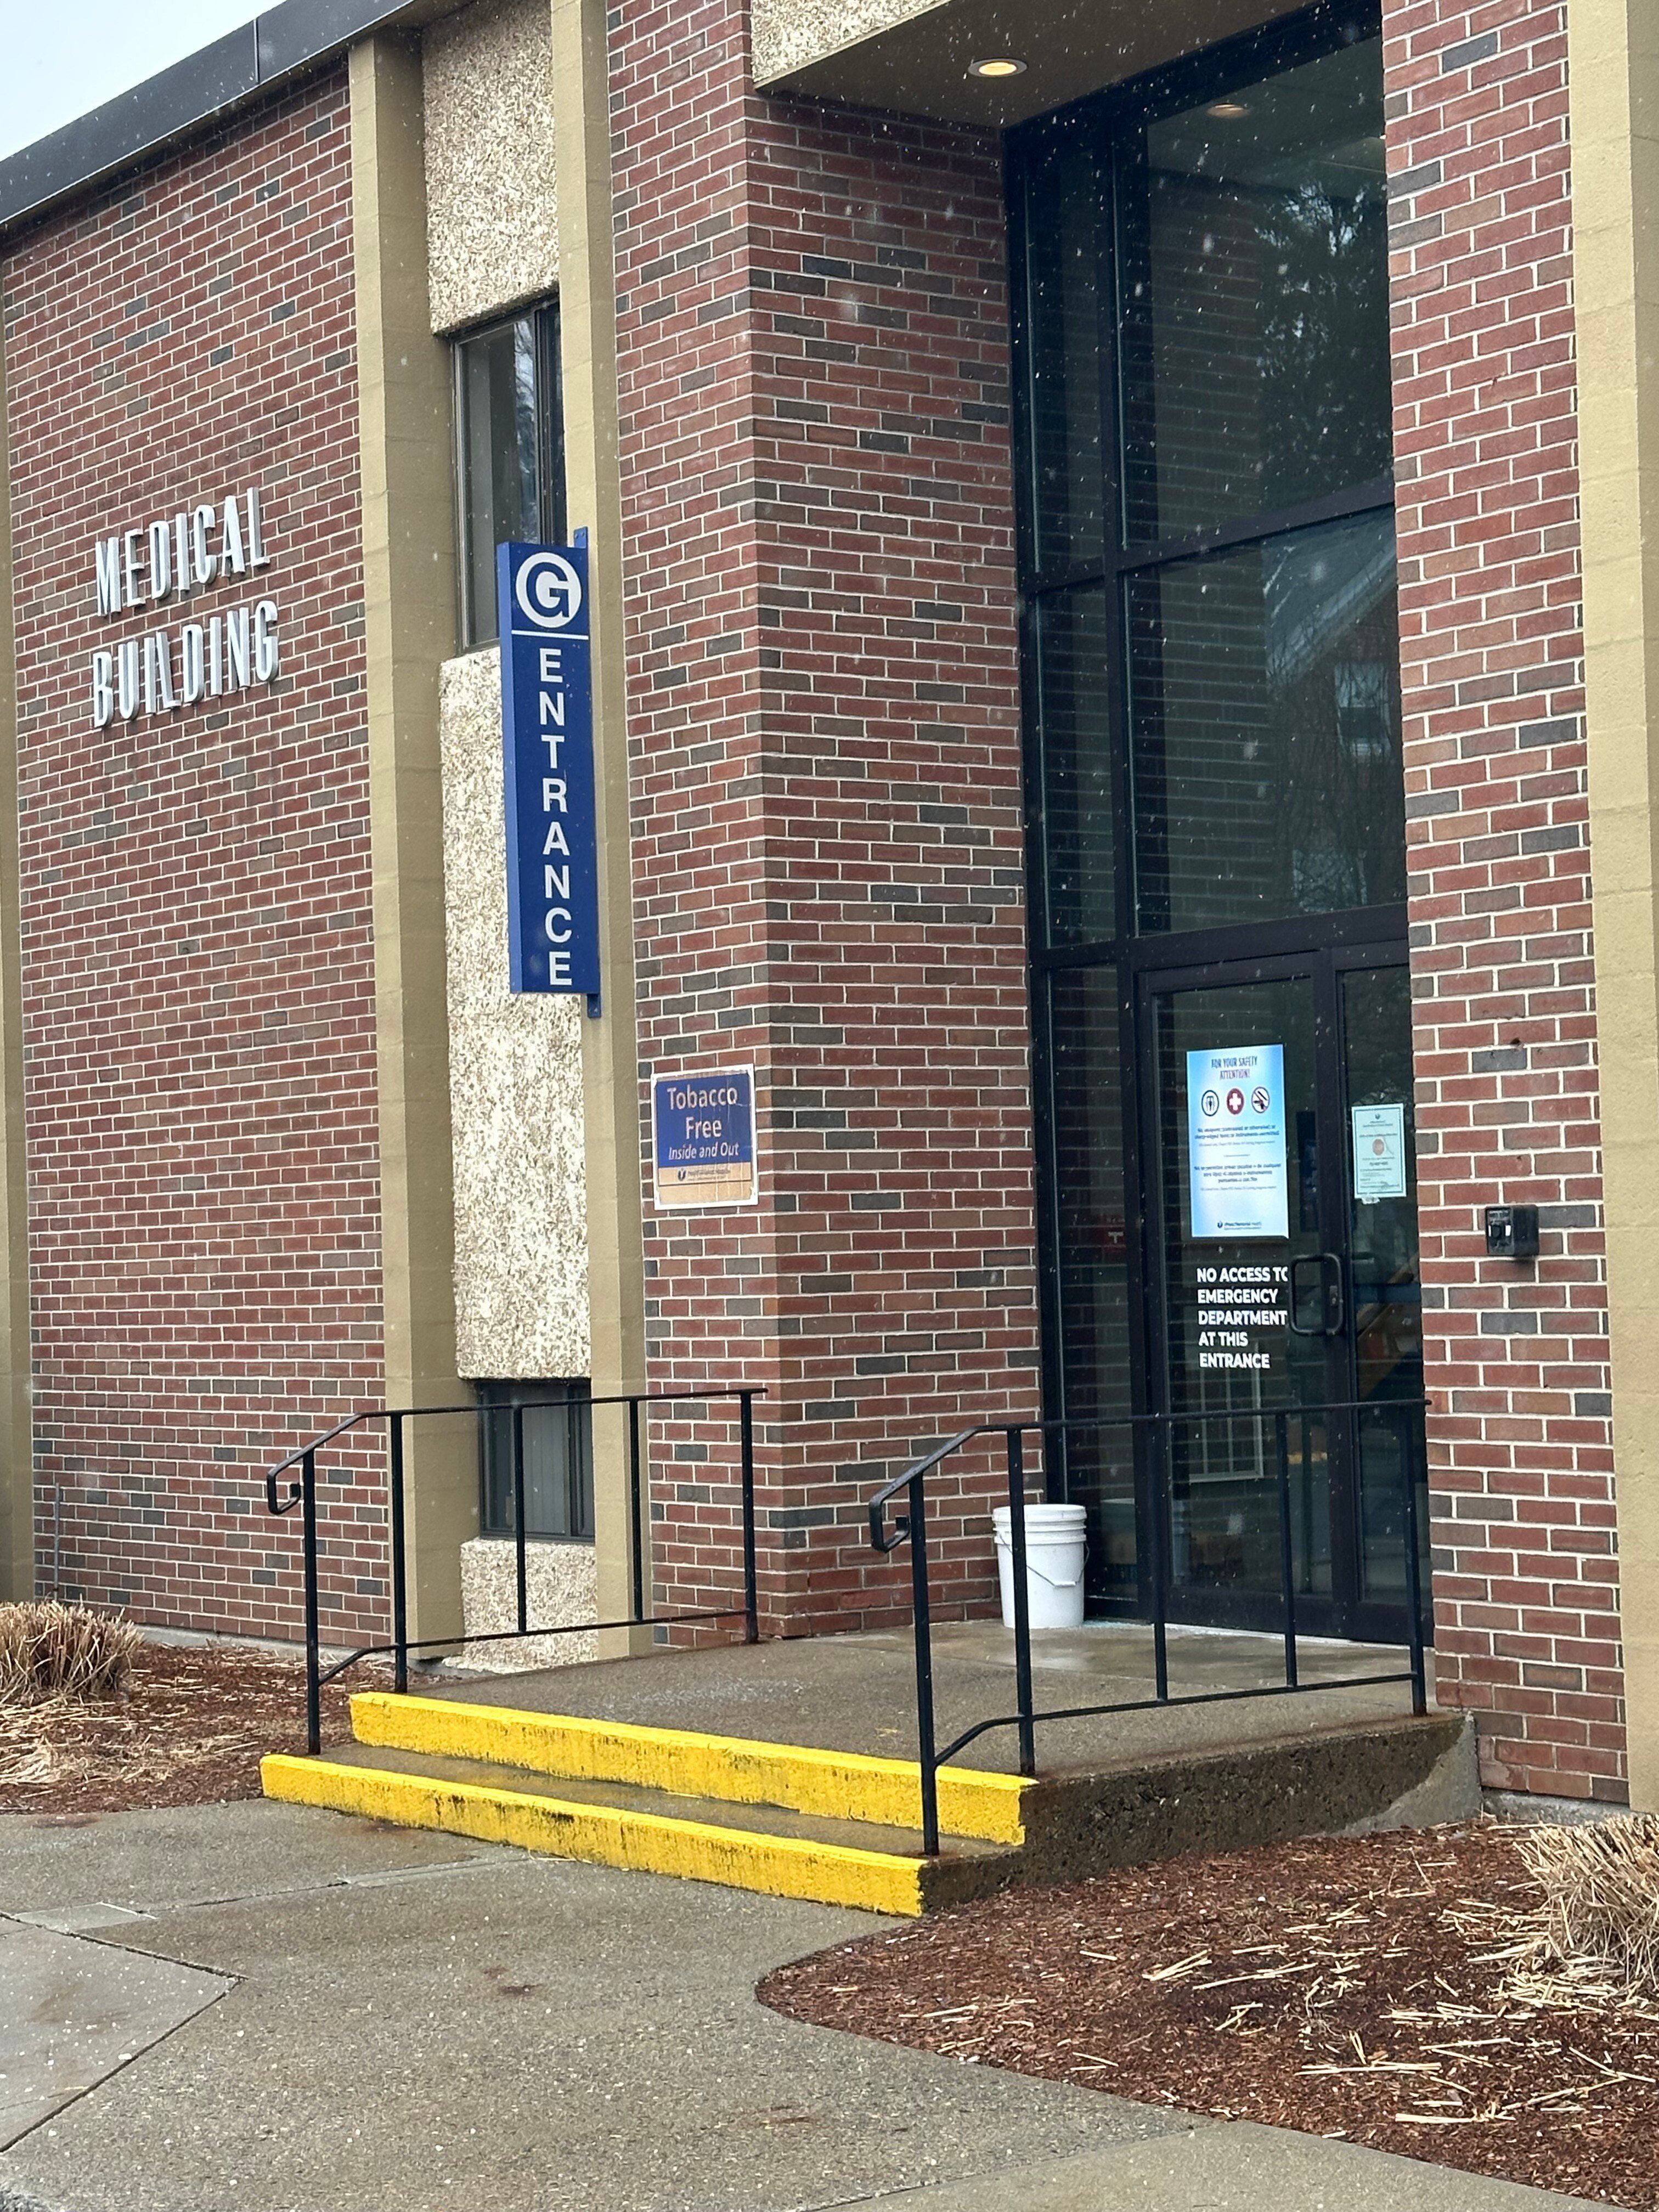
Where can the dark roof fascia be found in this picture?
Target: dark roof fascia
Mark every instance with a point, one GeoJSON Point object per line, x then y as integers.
{"type": "Point", "coordinates": [196, 91]}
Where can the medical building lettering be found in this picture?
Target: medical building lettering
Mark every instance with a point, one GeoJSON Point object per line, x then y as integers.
{"type": "Point", "coordinates": [173, 560]}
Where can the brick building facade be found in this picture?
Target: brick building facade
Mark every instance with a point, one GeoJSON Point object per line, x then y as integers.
{"type": "Point", "coordinates": [851, 336]}
{"type": "Point", "coordinates": [822, 677]}
{"type": "Point", "coordinates": [197, 964]}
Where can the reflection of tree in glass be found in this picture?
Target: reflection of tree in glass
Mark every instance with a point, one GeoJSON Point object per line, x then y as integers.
{"type": "Point", "coordinates": [1333, 665]}
{"type": "Point", "coordinates": [528, 437]}
{"type": "Point", "coordinates": [1267, 763]}
{"type": "Point", "coordinates": [1324, 344]}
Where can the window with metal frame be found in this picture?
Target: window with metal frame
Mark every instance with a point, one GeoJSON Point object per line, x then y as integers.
{"type": "Point", "coordinates": [556, 1425]}
{"type": "Point", "coordinates": [509, 452]}
{"type": "Point", "coordinates": [1206, 495]}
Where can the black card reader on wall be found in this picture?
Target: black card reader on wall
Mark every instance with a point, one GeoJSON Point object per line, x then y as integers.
{"type": "Point", "coordinates": [1511, 1232]}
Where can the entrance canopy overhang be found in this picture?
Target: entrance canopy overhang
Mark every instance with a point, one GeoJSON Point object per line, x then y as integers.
{"type": "Point", "coordinates": [920, 63]}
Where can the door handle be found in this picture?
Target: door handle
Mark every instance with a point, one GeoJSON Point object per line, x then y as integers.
{"type": "Point", "coordinates": [1331, 1281]}
{"type": "Point", "coordinates": [1332, 1306]}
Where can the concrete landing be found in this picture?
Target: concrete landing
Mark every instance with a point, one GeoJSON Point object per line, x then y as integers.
{"type": "Point", "coordinates": [1114, 1790]}
{"type": "Point", "coordinates": [858, 1692]}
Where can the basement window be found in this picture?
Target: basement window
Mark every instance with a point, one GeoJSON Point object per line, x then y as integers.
{"type": "Point", "coordinates": [558, 1460]}
{"type": "Point", "coordinates": [509, 452]}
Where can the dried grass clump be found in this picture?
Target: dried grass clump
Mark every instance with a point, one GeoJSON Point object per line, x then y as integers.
{"type": "Point", "coordinates": [49, 1650]}
{"type": "Point", "coordinates": [1600, 1917]}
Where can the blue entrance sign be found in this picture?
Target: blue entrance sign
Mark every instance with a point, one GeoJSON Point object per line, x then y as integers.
{"type": "Point", "coordinates": [704, 1131]}
{"type": "Point", "coordinates": [547, 731]}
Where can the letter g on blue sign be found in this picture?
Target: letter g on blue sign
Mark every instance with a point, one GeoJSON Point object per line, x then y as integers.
{"type": "Point", "coordinates": [547, 737]}
{"type": "Point", "coordinates": [547, 592]}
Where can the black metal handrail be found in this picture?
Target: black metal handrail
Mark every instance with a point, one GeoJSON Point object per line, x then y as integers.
{"type": "Point", "coordinates": [911, 1527]}
{"type": "Point", "coordinates": [302, 1491]}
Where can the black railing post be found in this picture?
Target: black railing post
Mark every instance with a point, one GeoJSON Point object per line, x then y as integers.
{"type": "Point", "coordinates": [399, 1576]}
{"type": "Point", "coordinates": [1022, 1601]}
{"type": "Point", "coordinates": [750, 1580]}
{"type": "Point", "coordinates": [520, 1566]}
{"type": "Point", "coordinates": [1414, 1579]}
{"type": "Point", "coordinates": [1286, 1559]}
{"type": "Point", "coordinates": [314, 1655]}
{"type": "Point", "coordinates": [922, 1629]}
{"type": "Point", "coordinates": [1155, 1531]}
{"type": "Point", "coordinates": [635, 1509]}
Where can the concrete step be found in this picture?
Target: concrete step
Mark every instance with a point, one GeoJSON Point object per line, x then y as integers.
{"type": "Point", "coordinates": [836, 1785]}
{"type": "Point", "coordinates": [844, 1826]}
{"type": "Point", "coordinates": [772, 1850]}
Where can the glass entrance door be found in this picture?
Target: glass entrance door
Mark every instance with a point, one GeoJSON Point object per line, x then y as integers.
{"type": "Point", "coordinates": [1283, 1223]}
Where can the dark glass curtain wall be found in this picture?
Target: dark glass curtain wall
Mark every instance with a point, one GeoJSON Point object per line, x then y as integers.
{"type": "Point", "coordinates": [1207, 548]}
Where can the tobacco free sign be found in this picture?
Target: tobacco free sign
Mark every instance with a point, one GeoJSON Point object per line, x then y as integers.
{"type": "Point", "coordinates": [704, 1133]}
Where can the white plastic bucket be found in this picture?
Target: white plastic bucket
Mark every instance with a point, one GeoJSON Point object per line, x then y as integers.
{"type": "Point", "coordinates": [1054, 1544]}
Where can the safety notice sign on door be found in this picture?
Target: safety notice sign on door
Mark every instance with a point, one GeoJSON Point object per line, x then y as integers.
{"type": "Point", "coordinates": [1236, 1142]}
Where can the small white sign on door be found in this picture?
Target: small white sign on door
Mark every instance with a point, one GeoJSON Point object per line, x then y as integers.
{"type": "Point", "coordinates": [1236, 1142]}
{"type": "Point", "coordinates": [1379, 1152]}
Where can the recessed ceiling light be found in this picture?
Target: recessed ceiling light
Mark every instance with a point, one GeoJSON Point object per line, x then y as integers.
{"type": "Point", "coordinates": [1229, 111]}
{"type": "Point", "coordinates": [997, 65]}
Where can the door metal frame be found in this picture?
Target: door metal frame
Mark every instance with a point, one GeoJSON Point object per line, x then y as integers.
{"type": "Point", "coordinates": [1346, 1611]}
{"type": "Point", "coordinates": [1156, 981]}
{"type": "Point", "coordinates": [1370, 1619]}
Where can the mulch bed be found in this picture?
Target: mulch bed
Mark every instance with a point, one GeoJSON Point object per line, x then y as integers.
{"type": "Point", "coordinates": [1380, 1987]}
{"type": "Point", "coordinates": [191, 1728]}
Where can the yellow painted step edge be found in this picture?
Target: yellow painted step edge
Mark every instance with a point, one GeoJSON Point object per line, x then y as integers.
{"type": "Point", "coordinates": [604, 1835]}
{"type": "Point", "coordinates": [836, 1785]}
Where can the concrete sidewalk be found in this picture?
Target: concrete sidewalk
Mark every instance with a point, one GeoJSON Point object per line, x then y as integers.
{"type": "Point", "coordinates": [353, 2017]}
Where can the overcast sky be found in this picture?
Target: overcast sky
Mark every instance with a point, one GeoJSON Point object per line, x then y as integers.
{"type": "Point", "coordinates": [62, 57]}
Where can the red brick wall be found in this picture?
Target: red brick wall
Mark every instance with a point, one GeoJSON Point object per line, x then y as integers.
{"type": "Point", "coordinates": [196, 926]}
{"type": "Point", "coordinates": [1521, 1465]}
{"type": "Point", "coordinates": [823, 684]}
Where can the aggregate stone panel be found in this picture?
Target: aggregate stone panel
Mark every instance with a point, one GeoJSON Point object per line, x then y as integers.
{"type": "Point", "coordinates": [561, 1589]}
{"type": "Point", "coordinates": [492, 205]}
{"type": "Point", "coordinates": [515, 1081]}
{"type": "Point", "coordinates": [788, 34]}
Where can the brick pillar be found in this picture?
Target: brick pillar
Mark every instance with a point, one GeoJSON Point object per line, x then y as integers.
{"type": "Point", "coordinates": [823, 710]}
{"type": "Point", "coordinates": [1520, 1444]}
